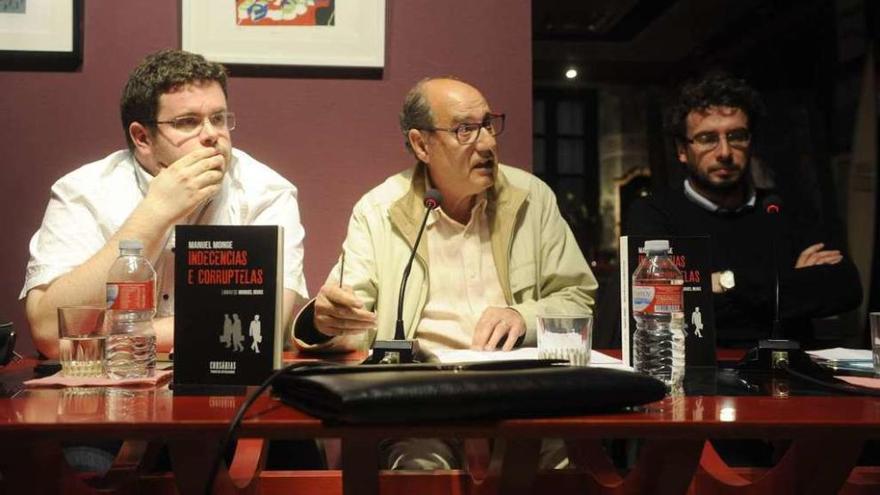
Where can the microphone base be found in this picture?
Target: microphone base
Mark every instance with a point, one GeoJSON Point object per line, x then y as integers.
{"type": "Point", "coordinates": [772, 355]}
{"type": "Point", "coordinates": [393, 352]}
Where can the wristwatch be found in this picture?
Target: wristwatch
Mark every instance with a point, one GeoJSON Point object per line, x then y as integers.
{"type": "Point", "coordinates": [726, 280]}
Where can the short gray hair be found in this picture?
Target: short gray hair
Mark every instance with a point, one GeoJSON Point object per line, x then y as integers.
{"type": "Point", "coordinates": [416, 112]}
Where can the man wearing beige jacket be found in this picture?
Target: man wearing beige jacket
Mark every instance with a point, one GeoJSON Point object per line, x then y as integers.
{"type": "Point", "coordinates": [494, 255]}
{"type": "Point", "coordinates": [498, 250]}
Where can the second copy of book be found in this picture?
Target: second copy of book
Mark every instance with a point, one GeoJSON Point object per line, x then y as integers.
{"type": "Point", "coordinates": [692, 255]}
{"type": "Point", "coordinates": [227, 305]}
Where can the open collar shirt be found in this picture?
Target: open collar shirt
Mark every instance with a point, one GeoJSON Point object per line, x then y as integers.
{"type": "Point", "coordinates": [87, 206]}
{"type": "Point", "coordinates": [462, 282]}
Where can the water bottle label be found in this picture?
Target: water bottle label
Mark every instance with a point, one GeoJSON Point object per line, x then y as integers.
{"type": "Point", "coordinates": [657, 298]}
{"type": "Point", "coordinates": [126, 296]}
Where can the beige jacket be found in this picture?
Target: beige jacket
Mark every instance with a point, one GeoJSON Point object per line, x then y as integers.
{"type": "Point", "coordinates": [540, 267]}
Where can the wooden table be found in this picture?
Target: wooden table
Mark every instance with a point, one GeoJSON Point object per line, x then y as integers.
{"type": "Point", "coordinates": [826, 435]}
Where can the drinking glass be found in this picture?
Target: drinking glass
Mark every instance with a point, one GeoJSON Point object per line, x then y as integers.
{"type": "Point", "coordinates": [568, 337]}
{"type": "Point", "coordinates": [82, 335]}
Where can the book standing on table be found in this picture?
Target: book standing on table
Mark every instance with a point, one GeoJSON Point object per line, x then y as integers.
{"type": "Point", "coordinates": [227, 328]}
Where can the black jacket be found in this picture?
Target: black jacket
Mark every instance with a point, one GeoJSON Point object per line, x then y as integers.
{"type": "Point", "coordinates": [744, 242]}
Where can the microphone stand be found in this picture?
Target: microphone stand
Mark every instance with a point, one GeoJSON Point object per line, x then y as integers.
{"type": "Point", "coordinates": [775, 353]}
{"type": "Point", "coordinates": [401, 350]}
{"type": "Point", "coordinates": [771, 207]}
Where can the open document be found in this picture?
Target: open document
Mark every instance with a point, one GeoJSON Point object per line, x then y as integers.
{"type": "Point", "coordinates": [840, 358]}
{"type": "Point", "coordinates": [597, 359]}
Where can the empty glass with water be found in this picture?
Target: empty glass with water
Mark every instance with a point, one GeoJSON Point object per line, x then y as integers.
{"type": "Point", "coordinates": [82, 335]}
{"type": "Point", "coordinates": [568, 337]}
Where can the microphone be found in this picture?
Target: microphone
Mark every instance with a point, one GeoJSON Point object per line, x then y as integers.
{"type": "Point", "coordinates": [774, 353]}
{"type": "Point", "coordinates": [431, 202]}
{"type": "Point", "coordinates": [433, 199]}
{"type": "Point", "coordinates": [772, 205]}
{"type": "Point", "coordinates": [401, 350]}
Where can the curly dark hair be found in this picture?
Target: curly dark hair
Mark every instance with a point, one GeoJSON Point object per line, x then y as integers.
{"type": "Point", "coordinates": [716, 88]}
{"type": "Point", "coordinates": [160, 73]}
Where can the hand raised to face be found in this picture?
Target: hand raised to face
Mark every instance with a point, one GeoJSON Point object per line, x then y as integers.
{"type": "Point", "coordinates": [183, 185]}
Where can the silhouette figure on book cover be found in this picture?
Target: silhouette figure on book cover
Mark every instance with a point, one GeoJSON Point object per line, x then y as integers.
{"type": "Point", "coordinates": [697, 322]}
{"type": "Point", "coordinates": [237, 336]}
{"type": "Point", "coordinates": [226, 336]}
{"type": "Point", "coordinates": [256, 334]}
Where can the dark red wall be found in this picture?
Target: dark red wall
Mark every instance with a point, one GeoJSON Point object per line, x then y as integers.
{"type": "Point", "coordinates": [333, 138]}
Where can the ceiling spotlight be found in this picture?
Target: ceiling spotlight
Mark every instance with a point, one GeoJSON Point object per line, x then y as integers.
{"type": "Point", "coordinates": [571, 73]}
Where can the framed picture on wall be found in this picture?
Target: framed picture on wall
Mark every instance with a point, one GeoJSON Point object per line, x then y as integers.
{"type": "Point", "coordinates": [40, 34]}
{"type": "Point", "coordinates": [306, 33]}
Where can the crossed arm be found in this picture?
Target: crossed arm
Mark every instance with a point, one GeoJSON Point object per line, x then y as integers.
{"type": "Point", "coordinates": [813, 255]}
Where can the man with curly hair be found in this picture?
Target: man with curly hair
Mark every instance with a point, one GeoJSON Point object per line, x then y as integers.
{"type": "Point", "coordinates": [713, 124]}
{"type": "Point", "coordinates": [179, 168]}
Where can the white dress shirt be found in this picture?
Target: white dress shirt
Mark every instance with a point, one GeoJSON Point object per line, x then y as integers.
{"type": "Point", "coordinates": [87, 206]}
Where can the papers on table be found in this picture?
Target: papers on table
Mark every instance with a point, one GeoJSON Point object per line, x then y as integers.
{"type": "Point", "coordinates": [59, 380]}
{"type": "Point", "coordinates": [842, 354]}
{"type": "Point", "coordinates": [840, 358]}
{"type": "Point", "coordinates": [469, 356]}
{"type": "Point", "coordinates": [861, 381]}
{"type": "Point", "coordinates": [597, 359]}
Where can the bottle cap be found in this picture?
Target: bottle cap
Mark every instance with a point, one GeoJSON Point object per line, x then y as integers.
{"type": "Point", "coordinates": [657, 245]}
{"type": "Point", "coordinates": [131, 244]}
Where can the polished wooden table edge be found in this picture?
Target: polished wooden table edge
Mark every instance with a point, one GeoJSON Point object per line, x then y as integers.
{"type": "Point", "coordinates": [679, 417]}
{"type": "Point", "coordinates": [668, 425]}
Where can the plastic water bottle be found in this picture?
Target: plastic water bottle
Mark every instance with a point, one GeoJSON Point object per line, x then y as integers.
{"type": "Point", "coordinates": [657, 304]}
{"type": "Point", "coordinates": [131, 304]}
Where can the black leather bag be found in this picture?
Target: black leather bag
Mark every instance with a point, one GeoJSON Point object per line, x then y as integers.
{"type": "Point", "coordinates": [431, 392]}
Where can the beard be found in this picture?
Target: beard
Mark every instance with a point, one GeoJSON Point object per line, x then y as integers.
{"type": "Point", "coordinates": [703, 181]}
